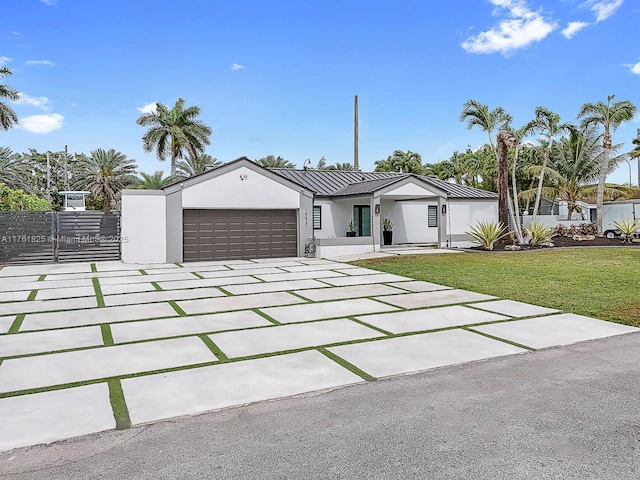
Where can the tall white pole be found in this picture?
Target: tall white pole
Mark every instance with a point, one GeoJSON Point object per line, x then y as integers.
{"type": "Point", "coordinates": [48, 178]}
{"type": "Point", "coordinates": [355, 135]}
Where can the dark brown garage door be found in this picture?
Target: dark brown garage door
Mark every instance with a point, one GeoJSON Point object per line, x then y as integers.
{"type": "Point", "coordinates": [239, 234]}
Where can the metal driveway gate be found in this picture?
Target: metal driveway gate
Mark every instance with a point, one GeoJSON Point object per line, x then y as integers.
{"type": "Point", "coordinates": [46, 237]}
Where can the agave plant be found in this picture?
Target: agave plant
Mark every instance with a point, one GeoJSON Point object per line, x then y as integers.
{"type": "Point", "coordinates": [488, 233]}
{"type": "Point", "coordinates": [539, 233]}
{"type": "Point", "coordinates": [628, 228]}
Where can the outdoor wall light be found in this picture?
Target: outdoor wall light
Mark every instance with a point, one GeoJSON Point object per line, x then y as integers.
{"type": "Point", "coordinates": [444, 208]}
{"type": "Point", "coordinates": [377, 209]}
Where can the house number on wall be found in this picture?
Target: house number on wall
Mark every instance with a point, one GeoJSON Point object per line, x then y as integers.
{"type": "Point", "coordinates": [243, 176]}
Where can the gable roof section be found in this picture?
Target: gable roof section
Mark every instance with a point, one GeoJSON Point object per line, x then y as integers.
{"type": "Point", "coordinates": [230, 166]}
{"type": "Point", "coordinates": [329, 183]}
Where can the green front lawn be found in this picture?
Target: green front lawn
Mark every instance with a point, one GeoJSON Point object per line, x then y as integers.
{"type": "Point", "coordinates": [597, 282]}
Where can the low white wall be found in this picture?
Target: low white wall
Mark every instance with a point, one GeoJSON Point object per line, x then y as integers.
{"type": "Point", "coordinates": [338, 247]}
{"type": "Point", "coordinates": [552, 220]}
{"type": "Point", "coordinates": [143, 226]}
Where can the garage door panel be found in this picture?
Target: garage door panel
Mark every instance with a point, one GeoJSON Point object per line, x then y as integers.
{"type": "Point", "coordinates": [239, 234]}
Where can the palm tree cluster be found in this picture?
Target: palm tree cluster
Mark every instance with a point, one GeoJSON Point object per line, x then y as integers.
{"type": "Point", "coordinates": [8, 117]}
{"type": "Point", "coordinates": [573, 156]}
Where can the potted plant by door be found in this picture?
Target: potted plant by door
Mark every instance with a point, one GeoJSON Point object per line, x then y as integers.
{"type": "Point", "coordinates": [352, 230]}
{"type": "Point", "coordinates": [387, 231]}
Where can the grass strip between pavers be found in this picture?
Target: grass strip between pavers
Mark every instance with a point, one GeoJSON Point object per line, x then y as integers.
{"type": "Point", "coordinates": [198, 275]}
{"type": "Point", "coordinates": [32, 295]}
{"type": "Point", "coordinates": [493, 337]}
{"type": "Point", "coordinates": [179, 265]}
{"type": "Point", "coordinates": [349, 366]}
{"type": "Point", "coordinates": [94, 269]}
{"type": "Point", "coordinates": [17, 323]}
{"type": "Point", "coordinates": [118, 404]}
{"type": "Point", "coordinates": [96, 287]}
{"type": "Point", "coordinates": [156, 286]}
{"type": "Point", "coordinates": [266, 317]}
{"type": "Point", "coordinates": [143, 272]}
{"type": "Point", "coordinates": [178, 310]}
{"type": "Point", "coordinates": [107, 337]}
{"type": "Point", "coordinates": [41, 278]}
{"type": "Point", "coordinates": [214, 348]}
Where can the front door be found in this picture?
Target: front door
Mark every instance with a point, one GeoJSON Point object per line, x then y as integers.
{"type": "Point", "coordinates": [362, 220]}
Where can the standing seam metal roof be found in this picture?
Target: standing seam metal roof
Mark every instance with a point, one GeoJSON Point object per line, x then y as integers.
{"type": "Point", "coordinates": [328, 183]}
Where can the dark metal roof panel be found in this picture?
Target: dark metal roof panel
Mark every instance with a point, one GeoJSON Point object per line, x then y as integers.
{"type": "Point", "coordinates": [460, 191]}
{"type": "Point", "coordinates": [366, 187]}
{"type": "Point", "coordinates": [327, 183]}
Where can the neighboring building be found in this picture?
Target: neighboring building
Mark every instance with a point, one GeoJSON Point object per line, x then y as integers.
{"type": "Point", "coordinates": [241, 210]}
{"type": "Point", "coordinates": [74, 201]}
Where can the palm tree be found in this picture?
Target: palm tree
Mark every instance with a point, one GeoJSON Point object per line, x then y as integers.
{"type": "Point", "coordinates": [105, 172]}
{"type": "Point", "coordinates": [477, 114]}
{"type": "Point", "coordinates": [271, 161]}
{"type": "Point", "coordinates": [12, 169]}
{"type": "Point", "coordinates": [174, 132]}
{"type": "Point", "coordinates": [195, 165]}
{"type": "Point", "coordinates": [548, 123]}
{"type": "Point", "coordinates": [608, 116]}
{"type": "Point", "coordinates": [404, 162]}
{"type": "Point", "coordinates": [154, 181]}
{"type": "Point", "coordinates": [7, 116]}
{"type": "Point", "coordinates": [573, 170]}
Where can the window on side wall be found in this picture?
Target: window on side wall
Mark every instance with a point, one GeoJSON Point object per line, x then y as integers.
{"type": "Point", "coordinates": [317, 217]}
{"type": "Point", "coordinates": [432, 215]}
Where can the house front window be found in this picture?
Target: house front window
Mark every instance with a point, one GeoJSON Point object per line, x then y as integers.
{"type": "Point", "coordinates": [432, 216]}
{"type": "Point", "coordinates": [317, 217]}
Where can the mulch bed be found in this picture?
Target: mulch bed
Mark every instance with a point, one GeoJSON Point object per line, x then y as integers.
{"type": "Point", "coordinates": [561, 242]}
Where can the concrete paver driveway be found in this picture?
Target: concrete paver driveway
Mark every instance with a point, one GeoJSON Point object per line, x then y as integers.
{"type": "Point", "coordinates": [92, 347]}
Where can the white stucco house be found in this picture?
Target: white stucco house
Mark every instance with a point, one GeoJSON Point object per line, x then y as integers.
{"type": "Point", "coordinates": [241, 210]}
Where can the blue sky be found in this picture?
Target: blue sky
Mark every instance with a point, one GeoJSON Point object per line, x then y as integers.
{"type": "Point", "coordinates": [279, 77]}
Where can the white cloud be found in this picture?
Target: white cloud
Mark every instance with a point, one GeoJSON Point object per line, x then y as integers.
{"type": "Point", "coordinates": [635, 68]}
{"type": "Point", "coordinates": [237, 66]}
{"type": "Point", "coordinates": [40, 102]}
{"type": "Point", "coordinates": [605, 8]}
{"type": "Point", "coordinates": [41, 62]}
{"type": "Point", "coordinates": [521, 27]}
{"type": "Point", "coordinates": [4, 60]}
{"type": "Point", "coordinates": [49, 2]}
{"type": "Point", "coordinates": [17, 34]}
{"type": "Point", "coordinates": [44, 123]}
{"type": "Point", "coordinates": [573, 28]}
{"type": "Point", "coordinates": [148, 108]}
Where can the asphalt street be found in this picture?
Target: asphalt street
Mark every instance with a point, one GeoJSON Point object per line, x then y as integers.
{"type": "Point", "coordinates": [560, 413]}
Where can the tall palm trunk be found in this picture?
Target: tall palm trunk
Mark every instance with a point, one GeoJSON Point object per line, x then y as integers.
{"type": "Point", "coordinates": [503, 179]}
{"type": "Point", "coordinates": [536, 205]}
{"type": "Point", "coordinates": [514, 205]}
{"type": "Point", "coordinates": [602, 177]}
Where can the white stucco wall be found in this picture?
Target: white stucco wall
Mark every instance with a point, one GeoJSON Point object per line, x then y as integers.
{"type": "Point", "coordinates": [144, 227]}
{"type": "Point", "coordinates": [241, 188]}
{"type": "Point", "coordinates": [464, 214]}
{"type": "Point", "coordinates": [410, 220]}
